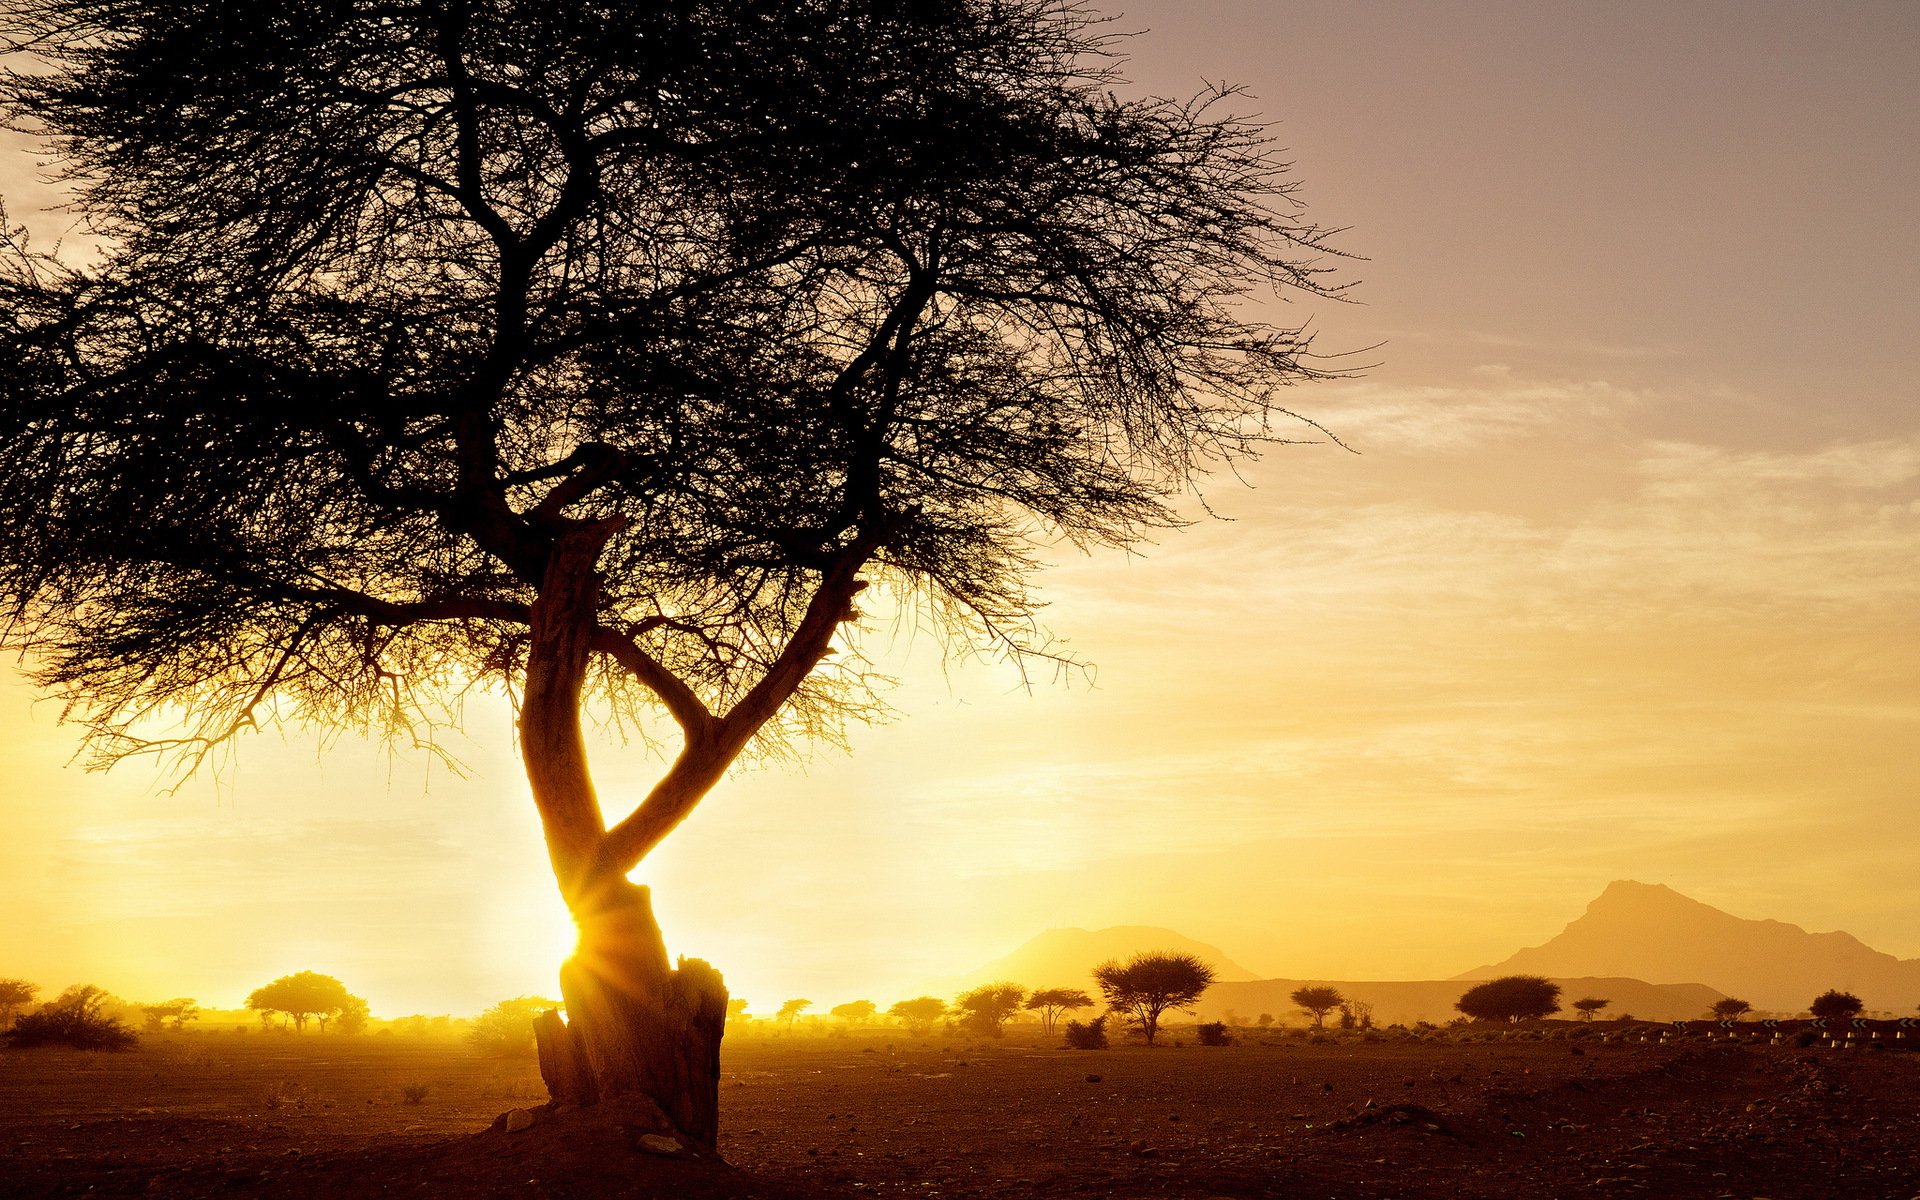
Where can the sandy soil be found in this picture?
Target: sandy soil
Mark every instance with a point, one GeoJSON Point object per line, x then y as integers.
{"type": "Point", "coordinates": [213, 1115]}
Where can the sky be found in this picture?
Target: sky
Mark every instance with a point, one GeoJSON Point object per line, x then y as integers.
{"type": "Point", "coordinates": [1615, 579]}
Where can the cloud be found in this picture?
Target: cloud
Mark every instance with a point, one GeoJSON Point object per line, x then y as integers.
{"type": "Point", "coordinates": [1495, 408]}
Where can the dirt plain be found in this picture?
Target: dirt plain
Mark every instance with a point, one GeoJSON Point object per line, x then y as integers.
{"type": "Point", "coordinates": [1289, 1118]}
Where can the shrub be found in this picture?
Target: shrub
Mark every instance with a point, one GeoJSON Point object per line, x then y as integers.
{"type": "Point", "coordinates": [414, 1093]}
{"type": "Point", "coordinates": [1511, 998]}
{"type": "Point", "coordinates": [73, 1019]}
{"type": "Point", "coordinates": [1214, 1033]}
{"type": "Point", "coordinates": [1091, 1035]}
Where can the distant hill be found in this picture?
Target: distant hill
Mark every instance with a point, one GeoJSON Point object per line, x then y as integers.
{"type": "Point", "coordinates": [1066, 958]}
{"type": "Point", "coordinates": [1649, 931]}
{"type": "Point", "coordinates": [1405, 1001]}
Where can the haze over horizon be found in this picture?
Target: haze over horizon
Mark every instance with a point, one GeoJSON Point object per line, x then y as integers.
{"type": "Point", "coordinates": [1619, 585]}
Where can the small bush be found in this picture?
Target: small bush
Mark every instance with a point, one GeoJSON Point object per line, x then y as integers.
{"type": "Point", "coordinates": [74, 1019]}
{"type": "Point", "coordinates": [1214, 1033]}
{"type": "Point", "coordinates": [1089, 1036]}
{"type": "Point", "coordinates": [414, 1093]}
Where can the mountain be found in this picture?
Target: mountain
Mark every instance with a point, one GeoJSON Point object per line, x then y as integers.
{"type": "Point", "coordinates": [1405, 1001]}
{"type": "Point", "coordinates": [1649, 931]}
{"type": "Point", "coordinates": [1066, 958]}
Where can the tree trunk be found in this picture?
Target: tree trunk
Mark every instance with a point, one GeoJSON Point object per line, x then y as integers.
{"type": "Point", "coordinates": [638, 1033]}
{"type": "Point", "coordinates": [641, 1039]}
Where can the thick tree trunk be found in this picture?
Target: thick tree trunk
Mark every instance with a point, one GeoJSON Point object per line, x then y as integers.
{"type": "Point", "coordinates": [641, 1039]}
{"type": "Point", "coordinates": [638, 1032]}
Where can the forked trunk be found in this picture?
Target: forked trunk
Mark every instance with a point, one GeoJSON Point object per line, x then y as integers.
{"type": "Point", "coordinates": [641, 1039]}
{"type": "Point", "coordinates": [638, 1033]}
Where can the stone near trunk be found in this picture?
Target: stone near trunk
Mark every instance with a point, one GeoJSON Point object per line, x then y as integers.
{"type": "Point", "coordinates": [518, 1119]}
{"type": "Point", "coordinates": [659, 1143]}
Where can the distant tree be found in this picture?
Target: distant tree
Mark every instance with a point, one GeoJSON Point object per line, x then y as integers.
{"type": "Point", "coordinates": [855, 1012]}
{"type": "Point", "coordinates": [76, 1017]}
{"type": "Point", "coordinates": [1051, 1002]}
{"type": "Point", "coordinates": [1213, 1033]}
{"type": "Point", "coordinates": [353, 1016]}
{"type": "Point", "coordinates": [1832, 1004]}
{"type": "Point", "coordinates": [1356, 1014]}
{"type": "Point", "coordinates": [792, 1009]}
{"type": "Point", "coordinates": [1587, 1006]}
{"type": "Point", "coordinates": [506, 1029]}
{"type": "Point", "coordinates": [15, 994]}
{"type": "Point", "coordinates": [170, 1014]}
{"type": "Point", "coordinates": [1317, 1001]}
{"type": "Point", "coordinates": [301, 996]}
{"type": "Point", "coordinates": [985, 1009]}
{"type": "Point", "coordinates": [1147, 985]}
{"type": "Point", "coordinates": [1511, 998]}
{"type": "Point", "coordinates": [736, 1010]}
{"type": "Point", "coordinates": [1730, 1009]}
{"type": "Point", "coordinates": [1265, 1020]}
{"type": "Point", "coordinates": [919, 1013]}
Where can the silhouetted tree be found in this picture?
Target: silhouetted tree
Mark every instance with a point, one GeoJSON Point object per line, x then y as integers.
{"type": "Point", "coordinates": [919, 1013]}
{"type": "Point", "coordinates": [1051, 1002]}
{"type": "Point", "coordinates": [790, 1010]}
{"type": "Point", "coordinates": [1317, 1001]}
{"type": "Point", "coordinates": [606, 352]}
{"type": "Point", "coordinates": [506, 1028]}
{"type": "Point", "coordinates": [987, 1008]}
{"type": "Point", "coordinates": [855, 1012]}
{"type": "Point", "coordinates": [306, 994]}
{"type": "Point", "coordinates": [1511, 998]}
{"type": "Point", "coordinates": [1356, 1014]}
{"type": "Point", "coordinates": [76, 1017]}
{"type": "Point", "coordinates": [353, 1016]}
{"type": "Point", "coordinates": [1265, 1020]}
{"type": "Point", "coordinates": [177, 1011]}
{"type": "Point", "coordinates": [1587, 1006]}
{"type": "Point", "coordinates": [1831, 1003]}
{"type": "Point", "coordinates": [736, 1009]}
{"type": "Point", "coordinates": [1147, 985]}
{"type": "Point", "coordinates": [1731, 1009]}
{"type": "Point", "coordinates": [15, 994]}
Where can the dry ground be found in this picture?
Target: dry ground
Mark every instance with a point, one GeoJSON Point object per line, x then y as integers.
{"type": "Point", "coordinates": [214, 1115]}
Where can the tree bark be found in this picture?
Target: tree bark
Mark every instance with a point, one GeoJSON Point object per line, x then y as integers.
{"type": "Point", "coordinates": [638, 1032]}
{"type": "Point", "coordinates": [639, 1035]}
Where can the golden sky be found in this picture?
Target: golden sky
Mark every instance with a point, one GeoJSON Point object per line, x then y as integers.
{"type": "Point", "coordinates": [1620, 583]}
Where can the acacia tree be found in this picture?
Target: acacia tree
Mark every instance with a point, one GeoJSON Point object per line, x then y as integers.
{"type": "Point", "coordinates": [1051, 1002]}
{"type": "Point", "coordinates": [1587, 1006]}
{"type": "Point", "coordinates": [1729, 1009]}
{"type": "Point", "coordinates": [1511, 998]}
{"type": "Point", "coordinates": [1147, 985]}
{"type": "Point", "coordinates": [987, 1008]}
{"type": "Point", "coordinates": [603, 353]}
{"type": "Point", "coordinates": [1833, 1003]}
{"type": "Point", "coordinates": [791, 1009]}
{"type": "Point", "coordinates": [15, 994]}
{"type": "Point", "coordinates": [302, 995]}
{"type": "Point", "coordinates": [1317, 1000]}
{"type": "Point", "coordinates": [919, 1013]}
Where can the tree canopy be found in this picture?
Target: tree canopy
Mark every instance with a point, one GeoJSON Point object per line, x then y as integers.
{"type": "Point", "coordinates": [987, 1008]}
{"type": "Point", "coordinates": [1834, 1003]}
{"type": "Point", "coordinates": [1051, 1002]}
{"type": "Point", "coordinates": [919, 1013]}
{"type": "Point", "coordinates": [304, 995]}
{"type": "Point", "coordinates": [1317, 1000]}
{"type": "Point", "coordinates": [1147, 985]}
{"type": "Point", "coordinates": [1511, 998]}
